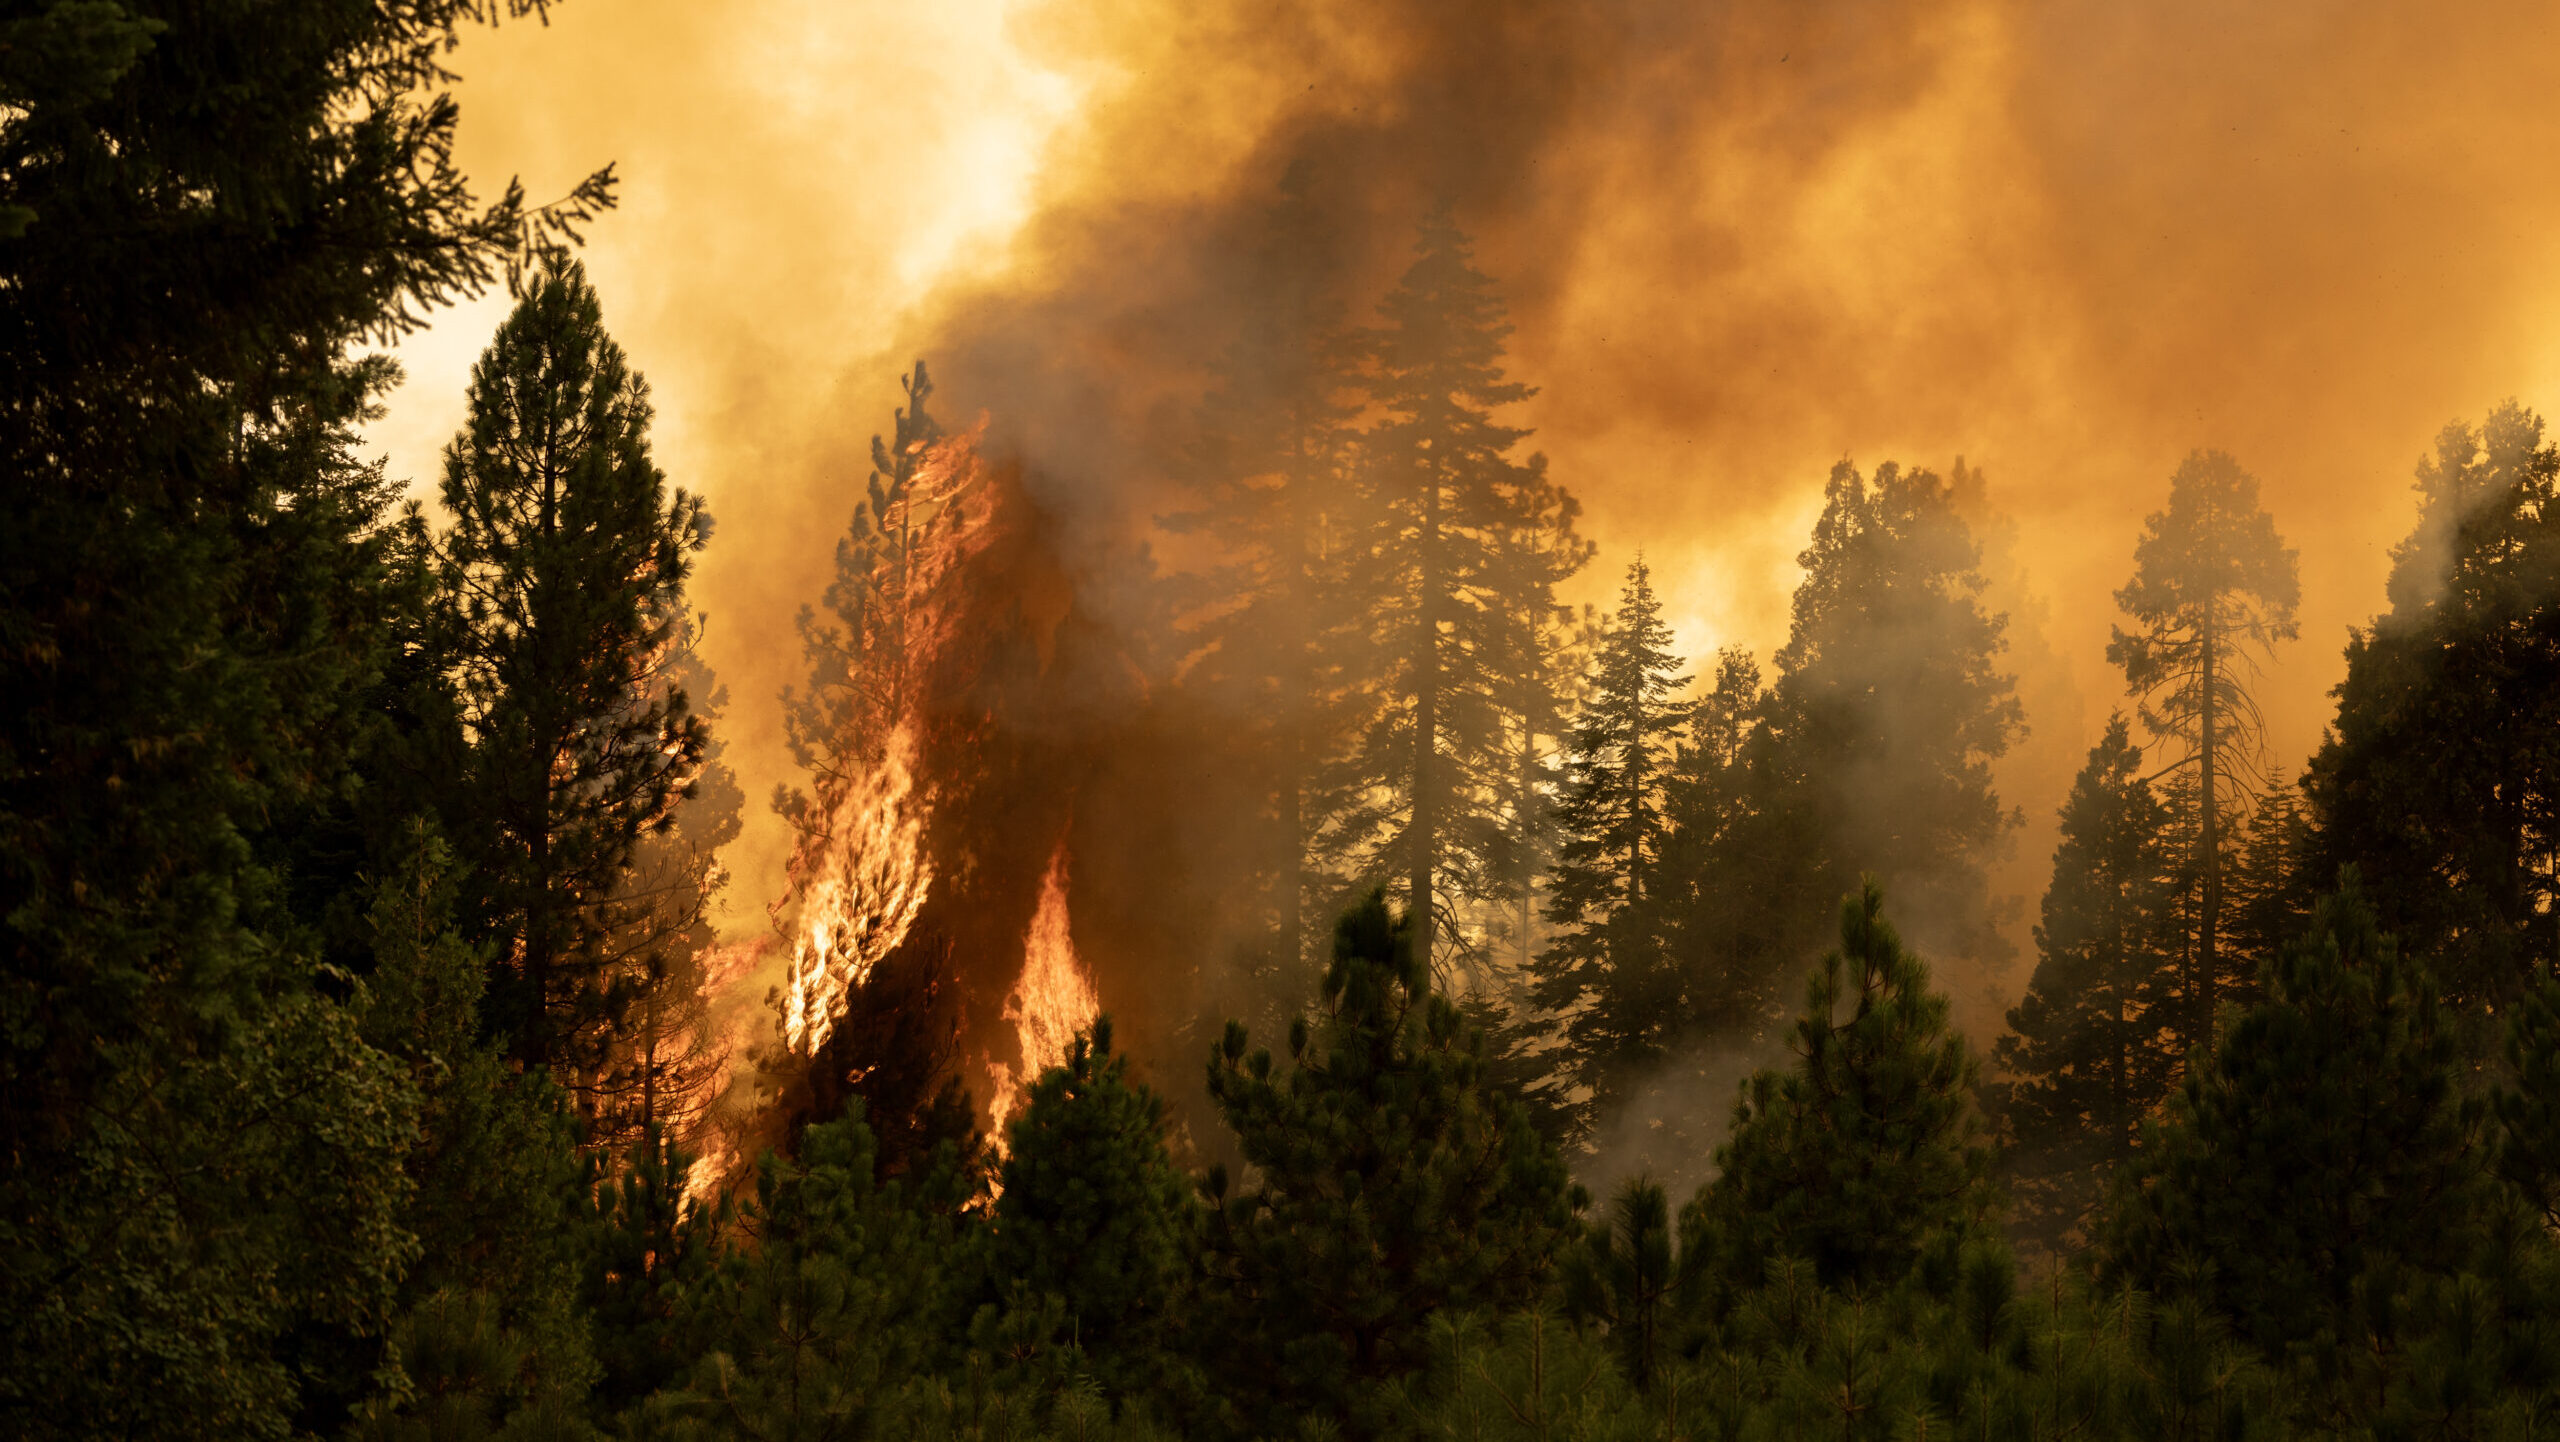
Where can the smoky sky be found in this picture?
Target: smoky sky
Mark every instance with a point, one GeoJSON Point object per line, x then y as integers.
{"type": "Point", "coordinates": [2066, 241]}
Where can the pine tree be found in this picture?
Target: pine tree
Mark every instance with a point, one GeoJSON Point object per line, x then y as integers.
{"type": "Point", "coordinates": [204, 209]}
{"type": "Point", "coordinates": [859, 682]}
{"type": "Point", "coordinates": [1441, 567]}
{"type": "Point", "coordinates": [1877, 741]}
{"type": "Point", "coordinates": [2087, 1059]}
{"type": "Point", "coordinates": [1609, 967]}
{"type": "Point", "coordinates": [2435, 783]}
{"type": "Point", "coordinates": [1854, 1161]}
{"type": "Point", "coordinates": [2325, 1144]}
{"type": "Point", "coordinates": [1627, 1278]}
{"type": "Point", "coordinates": [1721, 855]}
{"type": "Point", "coordinates": [1093, 1213]}
{"type": "Point", "coordinates": [1389, 1184]}
{"type": "Point", "coordinates": [564, 572]}
{"type": "Point", "coordinates": [1276, 653]}
{"type": "Point", "coordinates": [2213, 589]}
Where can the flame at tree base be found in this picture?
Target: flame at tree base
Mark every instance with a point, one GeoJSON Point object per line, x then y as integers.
{"type": "Point", "coordinates": [1052, 1002]}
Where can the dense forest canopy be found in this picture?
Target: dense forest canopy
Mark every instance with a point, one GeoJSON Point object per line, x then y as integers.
{"type": "Point", "coordinates": [1258, 955]}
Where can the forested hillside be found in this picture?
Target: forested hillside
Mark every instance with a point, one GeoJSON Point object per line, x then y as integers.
{"type": "Point", "coordinates": [1559, 1021]}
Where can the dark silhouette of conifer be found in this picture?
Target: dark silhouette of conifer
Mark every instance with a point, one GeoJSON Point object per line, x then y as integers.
{"type": "Point", "coordinates": [1865, 1151]}
{"type": "Point", "coordinates": [1439, 562]}
{"type": "Point", "coordinates": [1608, 969]}
{"type": "Point", "coordinates": [2214, 588]}
{"type": "Point", "coordinates": [1389, 1184]}
{"type": "Point", "coordinates": [2085, 1050]}
{"type": "Point", "coordinates": [564, 578]}
{"type": "Point", "coordinates": [2437, 783]}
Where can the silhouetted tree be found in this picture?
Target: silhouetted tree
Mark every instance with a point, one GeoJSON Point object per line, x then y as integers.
{"type": "Point", "coordinates": [1864, 1152]}
{"type": "Point", "coordinates": [1094, 1214]}
{"type": "Point", "coordinates": [1388, 1184]}
{"type": "Point", "coordinates": [2437, 783]}
{"type": "Point", "coordinates": [1608, 970]}
{"type": "Point", "coordinates": [1440, 565]}
{"type": "Point", "coordinates": [2214, 589]}
{"type": "Point", "coordinates": [202, 211]}
{"type": "Point", "coordinates": [564, 572]}
{"type": "Point", "coordinates": [1279, 651]}
{"type": "Point", "coordinates": [2085, 1048]}
{"type": "Point", "coordinates": [1874, 749]}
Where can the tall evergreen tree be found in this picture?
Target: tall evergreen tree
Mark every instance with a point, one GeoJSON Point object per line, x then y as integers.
{"type": "Point", "coordinates": [1389, 1184]}
{"type": "Point", "coordinates": [1876, 744]}
{"type": "Point", "coordinates": [564, 573]}
{"type": "Point", "coordinates": [1441, 566]}
{"type": "Point", "coordinates": [1608, 968]}
{"type": "Point", "coordinates": [859, 680]}
{"type": "Point", "coordinates": [201, 211]}
{"type": "Point", "coordinates": [2326, 1138]}
{"type": "Point", "coordinates": [2437, 783]}
{"type": "Point", "coordinates": [1278, 654]}
{"type": "Point", "coordinates": [2214, 589]}
{"type": "Point", "coordinates": [1866, 1151]}
{"type": "Point", "coordinates": [2085, 1054]}
{"type": "Point", "coordinates": [1093, 1213]}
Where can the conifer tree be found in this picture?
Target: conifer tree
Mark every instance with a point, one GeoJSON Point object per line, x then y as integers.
{"type": "Point", "coordinates": [203, 210]}
{"type": "Point", "coordinates": [564, 574]}
{"type": "Point", "coordinates": [2436, 783]}
{"type": "Point", "coordinates": [2087, 1058]}
{"type": "Point", "coordinates": [1389, 1183]}
{"type": "Point", "coordinates": [1093, 1212]}
{"type": "Point", "coordinates": [1277, 652]}
{"type": "Point", "coordinates": [1721, 854]}
{"type": "Point", "coordinates": [2214, 589]}
{"type": "Point", "coordinates": [858, 651]}
{"type": "Point", "coordinates": [2325, 1144]}
{"type": "Point", "coordinates": [1608, 966]}
{"type": "Point", "coordinates": [1877, 741]}
{"type": "Point", "coordinates": [1441, 569]}
{"type": "Point", "coordinates": [1866, 1151]}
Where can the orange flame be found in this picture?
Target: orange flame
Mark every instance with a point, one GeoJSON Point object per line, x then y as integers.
{"type": "Point", "coordinates": [1051, 1003]}
{"type": "Point", "coordinates": [871, 881]}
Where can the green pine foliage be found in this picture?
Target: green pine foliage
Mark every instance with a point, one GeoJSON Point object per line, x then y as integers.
{"type": "Point", "coordinates": [2084, 1056]}
{"type": "Point", "coordinates": [1093, 1214]}
{"type": "Point", "coordinates": [1855, 1159]}
{"type": "Point", "coordinates": [564, 573]}
{"type": "Point", "coordinates": [1607, 965]}
{"type": "Point", "coordinates": [1388, 1184]}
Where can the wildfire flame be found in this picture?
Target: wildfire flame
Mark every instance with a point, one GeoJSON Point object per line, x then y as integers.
{"type": "Point", "coordinates": [1051, 1003]}
{"type": "Point", "coordinates": [870, 882]}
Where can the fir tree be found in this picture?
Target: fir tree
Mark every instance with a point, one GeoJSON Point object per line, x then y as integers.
{"type": "Point", "coordinates": [1608, 967]}
{"type": "Point", "coordinates": [2084, 1050]}
{"type": "Point", "coordinates": [1440, 565]}
{"type": "Point", "coordinates": [565, 573]}
{"type": "Point", "coordinates": [1389, 1184]}
{"type": "Point", "coordinates": [2436, 783]}
{"type": "Point", "coordinates": [2213, 590]}
{"type": "Point", "coordinates": [1866, 1151]}
{"type": "Point", "coordinates": [1277, 654]}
